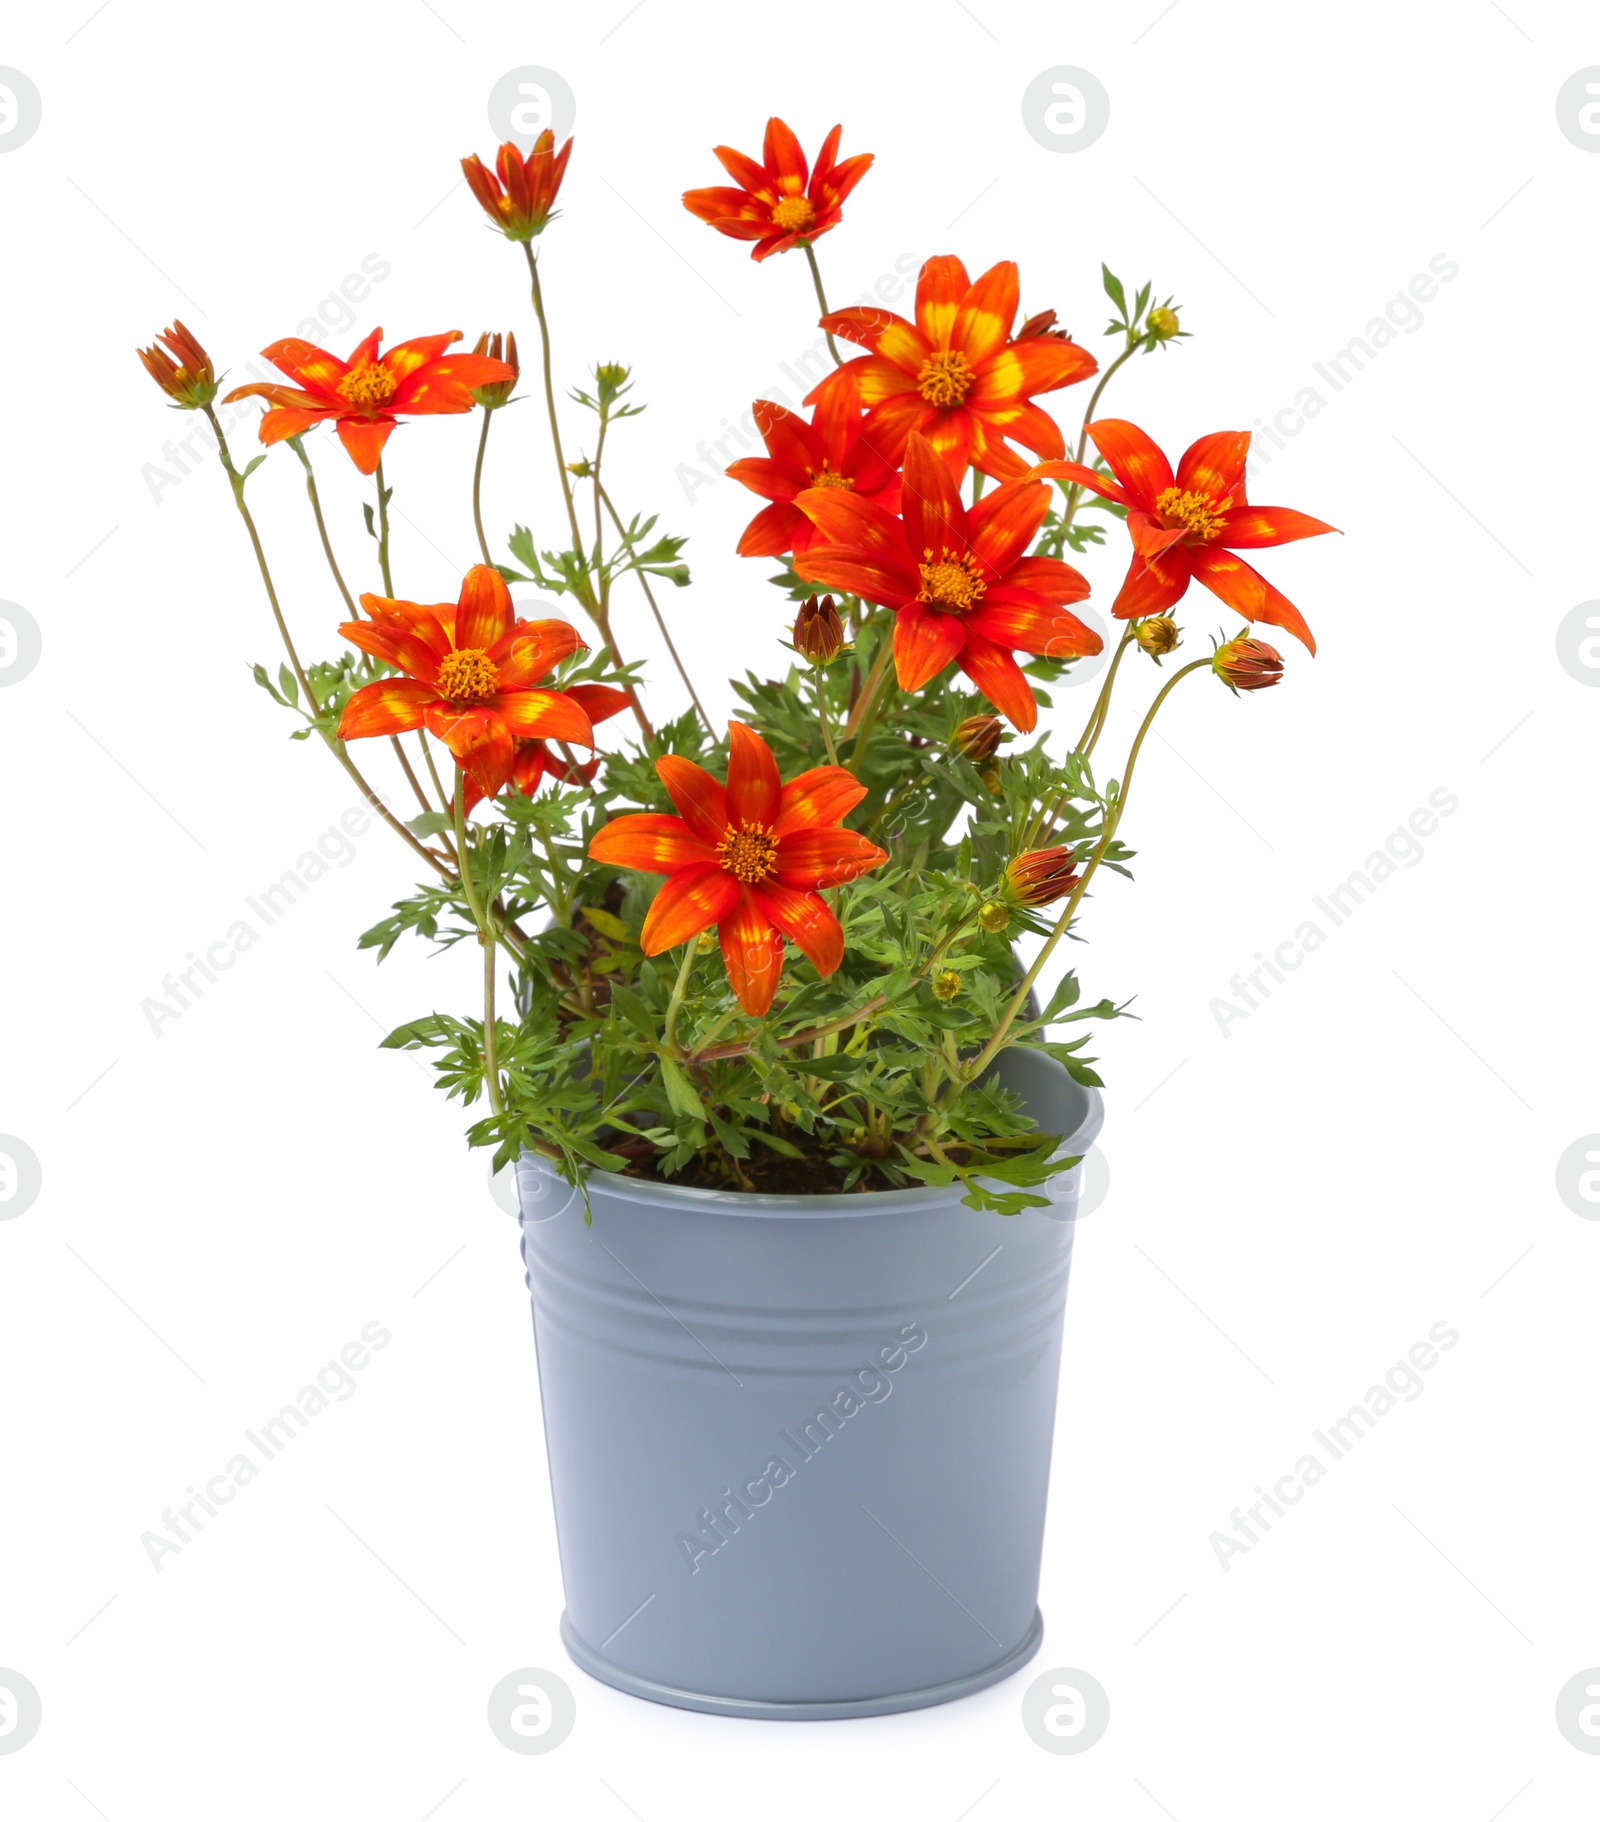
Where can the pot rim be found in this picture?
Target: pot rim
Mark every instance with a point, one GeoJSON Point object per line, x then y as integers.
{"type": "Point", "coordinates": [647, 1190]}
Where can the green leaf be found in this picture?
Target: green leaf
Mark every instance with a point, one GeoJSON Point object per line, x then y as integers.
{"type": "Point", "coordinates": [680, 1091]}
{"type": "Point", "coordinates": [1114, 290]}
{"type": "Point", "coordinates": [288, 684]}
{"type": "Point", "coordinates": [608, 924]}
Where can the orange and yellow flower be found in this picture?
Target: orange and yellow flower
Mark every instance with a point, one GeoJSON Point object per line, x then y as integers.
{"type": "Point", "coordinates": [750, 858]}
{"type": "Point", "coordinates": [956, 375]}
{"type": "Point", "coordinates": [956, 577]}
{"type": "Point", "coordinates": [1186, 527]}
{"type": "Point", "coordinates": [776, 203]}
{"type": "Point", "coordinates": [830, 451]}
{"type": "Point", "coordinates": [367, 393]}
{"type": "Point", "coordinates": [471, 676]}
{"type": "Point", "coordinates": [521, 200]}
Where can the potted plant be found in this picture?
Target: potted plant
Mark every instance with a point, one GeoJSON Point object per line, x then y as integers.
{"type": "Point", "coordinates": [771, 1018]}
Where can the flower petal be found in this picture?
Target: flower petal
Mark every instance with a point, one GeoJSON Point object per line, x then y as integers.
{"type": "Point", "coordinates": [999, 677]}
{"type": "Point", "coordinates": [950, 433]}
{"type": "Point", "coordinates": [1080, 476]}
{"type": "Point", "coordinates": [407, 357]}
{"type": "Point", "coordinates": [812, 858]}
{"type": "Point", "coordinates": [781, 153]}
{"type": "Point", "coordinates": [805, 919]}
{"type": "Point", "coordinates": [1040, 364]}
{"type": "Point", "coordinates": [478, 739]}
{"type": "Point", "coordinates": [1049, 577]}
{"type": "Point", "coordinates": [855, 572]}
{"type": "Point", "coordinates": [752, 949]}
{"type": "Point", "coordinates": [483, 613]}
{"type": "Point", "coordinates": [543, 715]}
{"type": "Point", "coordinates": [924, 643]}
{"type": "Point", "coordinates": [392, 705]}
{"type": "Point", "coordinates": [942, 285]}
{"type": "Point", "coordinates": [826, 794]}
{"type": "Point", "coordinates": [791, 442]}
{"type": "Point", "coordinates": [363, 439]}
{"type": "Point", "coordinates": [395, 644]}
{"type": "Point", "coordinates": [529, 650]}
{"type": "Point", "coordinates": [1005, 522]}
{"type": "Point", "coordinates": [650, 844]}
{"type": "Point", "coordinates": [1136, 462]}
{"type": "Point", "coordinates": [598, 700]}
{"type": "Point", "coordinates": [930, 502]}
{"type": "Point", "coordinates": [1214, 465]}
{"type": "Point", "coordinates": [1250, 527]}
{"type": "Point", "coordinates": [691, 899]}
{"type": "Point", "coordinates": [1152, 585]}
{"type": "Point", "coordinates": [701, 801]}
{"type": "Point", "coordinates": [870, 327]}
{"type": "Point", "coordinates": [1047, 632]}
{"type": "Point", "coordinates": [753, 787]}
{"type": "Point", "coordinates": [987, 312]}
{"type": "Point", "coordinates": [775, 529]}
{"type": "Point", "coordinates": [1232, 580]}
{"type": "Point", "coordinates": [772, 480]}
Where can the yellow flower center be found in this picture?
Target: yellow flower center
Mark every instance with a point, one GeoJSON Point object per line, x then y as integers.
{"type": "Point", "coordinates": [467, 676]}
{"type": "Point", "coordinates": [828, 477]}
{"type": "Point", "coordinates": [794, 214]}
{"type": "Point", "coordinates": [954, 583]}
{"type": "Point", "coordinates": [749, 853]}
{"type": "Point", "coordinates": [1196, 512]}
{"type": "Point", "coordinates": [369, 386]}
{"type": "Point", "coordinates": [945, 379]}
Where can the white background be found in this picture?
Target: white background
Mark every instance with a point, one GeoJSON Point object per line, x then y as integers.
{"type": "Point", "coordinates": [1293, 1203]}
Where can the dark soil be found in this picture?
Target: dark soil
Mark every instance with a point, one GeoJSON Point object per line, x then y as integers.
{"type": "Point", "coordinates": [763, 1173]}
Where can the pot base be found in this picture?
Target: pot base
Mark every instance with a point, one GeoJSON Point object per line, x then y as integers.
{"type": "Point", "coordinates": [587, 1658]}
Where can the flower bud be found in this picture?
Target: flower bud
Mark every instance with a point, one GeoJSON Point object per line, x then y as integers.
{"type": "Point", "coordinates": [1162, 323]}
{"type": "Point", "coordinates": [189, 381]}
{"type": "Point", "coordinates": [1158, 635]}
{"type": "Point", "coordinates": [990, 774]}
{"type": "Point", "coordinates": [705, 942]}
{"type": "Point", "coordinates": [1044, 324]}
{"type": "Point", "coordinates": [497, 392]}
{"type": "Point", "coordinates": [946, 985]}
{"type": "Point", "coordinates": [1040, 876]}
{"type": "Point", "coordinates": [978, 738]}
{"type": "Point", "coordinates": [818, 630]}
{"type": "Point", "coordinates": [994, 917]}
{"type": "Point", "coordinates": [519, 194]}
{"type": "Point", "coordinates": [1247, 664]}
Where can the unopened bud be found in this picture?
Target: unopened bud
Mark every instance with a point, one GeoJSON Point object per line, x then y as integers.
{"type": "Point", "coordinates": [1162, 322]}
{"type": "Point", "coordinates": [978, 737]}
{"type": "Point", "coordinates": [498, 348]}
{"type": "Point", "coordinates": [188, 380]}
{"type": "Point", "coordinates": [818, 630]}
{"type": "Point", "coordinates": [990, 774]}
{"type": "Point", "coordinates": [946, 985]}
{"type": "Point", "coordinates": [705, 942]}
{"type": "Point", "coordinates": [1044, 324]}
{"type": "Point", "coordinates": [1040, 876]}
{"type": "Point", "coordinates": [994, 917]}
{"type": "Point", "coordinates": [1157, 635]}
{"type": "Point", "coordinates": [1247, 664]}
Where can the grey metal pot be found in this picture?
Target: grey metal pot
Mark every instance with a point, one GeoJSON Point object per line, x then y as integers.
{"type": "Point", "coordinates": [799, 1446]}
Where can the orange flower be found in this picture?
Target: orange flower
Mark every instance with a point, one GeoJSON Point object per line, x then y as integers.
{"type": "Point", "coordinates": [749, 858]}
{"type": "Point", "coordinates": [774, 205]}
{"type": "Point", "coordinates": [1186, 527]}
{"type": "Point", "coordinates": [189, 381]}
{"type": "Point", "coordinates": [956, 376]}
{"type": "Point", "coordinates": [365, 394]}
{"type": "Point", "coordinates": [470, 677]}
{"type": "Point", "coordinates": [956, 577]}
{"type": "Point", "coordinates": [830, 451]}
{"type": "Point", "coordinates": [520, 201]}
{"type": "Point", "coordinates": [534, 762]}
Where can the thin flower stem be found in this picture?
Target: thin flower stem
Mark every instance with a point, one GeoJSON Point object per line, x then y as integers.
{"type": "Point", "coordinates": [1113, 818]}
{"type": "Point", "coordinates": [383, 533]}
{"type": "Point", "coordinates": [486, 936]}
{"type": "Point", "coordinates": [816, 279]}
{"type": "Point", "coordinates": [858, 724]}
{"type": "Point", "coordinates": [649, 595]}
{"type": "Point", "coordinates": [1075, 490]}
{"type": "Point", "coordinates": [669, 1035]}
{"type": "Point", "coordinates": [824, 720]}
{"type": "Point", "coordinates": [587, 596]}
{"type": "Point", "coordinates": [335, 745]}
{"type": "Point", "coordinates": [477, 486]}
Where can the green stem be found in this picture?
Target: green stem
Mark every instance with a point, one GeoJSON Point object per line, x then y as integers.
{"type": "Point", "coordinates": [1075, 490]}
{"type": "Point", "coordinates": [816, 280]}
{"type": "Point", "coordinates": [477, 487]}
{"type": "Point", "coordinates": [1113, 818]}
{"type": "Point", "coordinates": [680, 987]}
{"type": "Point", "coordinates": [586, 594]}
{"type": "Point", "coordinates": [859, 723]}
{"type": "Point", "coordinates": [383, 533]}
{"type": "Point", "coordinates": [486, 936]}
{"type": "Point", "coordinates": [335, 745]}
{"type": "Point", "coordinates": [649, 595]}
